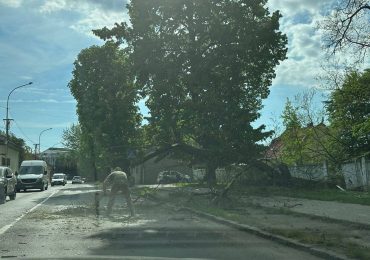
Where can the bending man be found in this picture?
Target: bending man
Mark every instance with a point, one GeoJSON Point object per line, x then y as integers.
{"type": "Point", "coordinates": [118, 181]}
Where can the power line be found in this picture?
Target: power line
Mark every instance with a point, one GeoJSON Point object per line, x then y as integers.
{"type": "Point", "coordinates": [20, 129]}
{"type": "Point", "coordinates": [29, 139]}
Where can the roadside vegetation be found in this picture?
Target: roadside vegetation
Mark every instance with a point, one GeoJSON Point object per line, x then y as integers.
{"type": "Point", "coordinates": [342, 238]}
{"type": "Point", "coordinates": [326, 194]}
{"type": "Point", "coordinates": [314, 193]}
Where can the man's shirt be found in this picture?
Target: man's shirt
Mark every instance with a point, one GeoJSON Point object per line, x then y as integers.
{"type": "Point", "coordinates": [116, 177]}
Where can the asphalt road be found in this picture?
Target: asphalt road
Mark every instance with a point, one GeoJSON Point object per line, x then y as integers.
{"type": "Point", "coordinates": [65, 222]}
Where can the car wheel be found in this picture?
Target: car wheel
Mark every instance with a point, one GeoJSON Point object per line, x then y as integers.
{"type": "Point", "coordinates": [47, 186]}
{"type": "Point", "coordinates": [14, 195]}
{"type": "Point", "coordinates": [42, 188]}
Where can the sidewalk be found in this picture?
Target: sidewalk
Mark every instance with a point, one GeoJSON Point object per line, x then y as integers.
{"type": "Point", "coordinates": [329, 209]}
{"type": "Point", "coordinates": [301, 230]}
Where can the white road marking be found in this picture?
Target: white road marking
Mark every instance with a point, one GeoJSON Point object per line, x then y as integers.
{"type": "Point", "coordinates": [6, 227]}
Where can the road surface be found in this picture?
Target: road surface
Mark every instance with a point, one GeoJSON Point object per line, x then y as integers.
{"type": "Point", "coordinates": [64, 222]}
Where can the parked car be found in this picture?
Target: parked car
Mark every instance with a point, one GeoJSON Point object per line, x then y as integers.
{"type": "Point", "coordinates": [76, 179]}
{"type": "Point", "coordinates": [172, 177]}
{"type": "Point", "coordinates": [8, 182]}
{"type": "Point", "coordinates": [33, 174]}
{"type": "Point", "coordinates": [59, 179]}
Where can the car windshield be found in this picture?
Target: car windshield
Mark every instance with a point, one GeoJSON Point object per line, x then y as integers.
{"type": "Point", "coordinates": [31, 170]}
{"type": "Point", "coordinates": [185, 129]}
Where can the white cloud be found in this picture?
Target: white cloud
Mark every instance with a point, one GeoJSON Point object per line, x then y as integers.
{"type": "Point", "coordinates": [53, 6]}
{"type": "Point", "coordinates": [96, 19]}
{"type": "Point", "coordinates": [11, 3]}
{"type": "Point", "coordinates": [290, 8]}
{"type": "Point", "coordinates": [93, 14]}
{"type": "Point", "coordinates": [305, 53]}
{"type": "Point", "coordinates": [25, 77]}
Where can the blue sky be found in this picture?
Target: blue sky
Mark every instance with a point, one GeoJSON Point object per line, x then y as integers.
{"type": "Point", "coordinates": [39, 41]}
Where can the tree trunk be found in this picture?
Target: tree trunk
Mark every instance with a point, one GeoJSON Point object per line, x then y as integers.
{"type": "Point", "coordinates": [93, 157]}
{"type": "Point", "coordinates": [211, 175]}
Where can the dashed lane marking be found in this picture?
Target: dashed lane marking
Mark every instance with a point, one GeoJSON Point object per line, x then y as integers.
{"type": "Point", "coordinates": [6, 227]}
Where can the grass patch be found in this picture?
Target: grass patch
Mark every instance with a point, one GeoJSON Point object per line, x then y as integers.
{"type": "Point", "coordinates": [143, 191]}
{"type": "Point", "coordinates": [310, 236]}
{"type": "Point", "coordinates": [314, 193]}
{"type": "Point", "coordinates": [198, 185]}
{"type": "Point", "coordinates": [362, 198]}
{"type": "Point", "coordinates": [222, 213]}
{"type": "Point", "coordinates": [357, 252]}
{"type": "Point", "coordinates": [332, 241]}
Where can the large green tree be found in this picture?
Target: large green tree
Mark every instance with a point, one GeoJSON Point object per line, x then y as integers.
{"type": "Point", "coordinates": [205, 67]}
{"type": "Point", "coordinates": [79, 151]}
{"type": "Point", "coordinates": [349, 113]}
{"type": "Point", "coordinates": [103, 85]}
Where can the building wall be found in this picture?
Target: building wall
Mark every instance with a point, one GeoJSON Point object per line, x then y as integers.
{"type": "Point", "coordinates": [13, 155]}
{"type": "Point", "coordinates": [147, 172]}
{"type": "Point", "coordinates": [357, 173]}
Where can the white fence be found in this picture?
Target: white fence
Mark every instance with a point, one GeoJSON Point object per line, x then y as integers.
{"type": "Point", "coordinates": [312, 172]}
{"type": "Point", "coordinates": [356, 173]}
{"type": "Point", "coordinates": [222, 175]}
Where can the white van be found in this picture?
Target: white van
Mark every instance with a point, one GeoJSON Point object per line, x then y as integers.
{"type": "Point", "coordinates": [33, 174]}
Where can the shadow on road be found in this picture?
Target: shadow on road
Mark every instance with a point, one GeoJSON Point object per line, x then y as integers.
{"type": "Point", "coordinates": [169, 242]}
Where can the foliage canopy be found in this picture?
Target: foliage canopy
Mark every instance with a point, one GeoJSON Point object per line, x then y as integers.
{"type": "Point", "coordinates": [205, 67]}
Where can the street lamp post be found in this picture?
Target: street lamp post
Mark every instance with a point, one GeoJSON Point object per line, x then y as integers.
{"type": "Point", "coordinates": [7, 120]}
{"type": "Point", "coordinates": [40, 139]}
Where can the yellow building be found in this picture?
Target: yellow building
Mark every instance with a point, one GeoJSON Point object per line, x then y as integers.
{"type": "Point", "coordinates": [12, 160]}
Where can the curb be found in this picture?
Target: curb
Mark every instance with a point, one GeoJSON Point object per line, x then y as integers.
{"type": "Point", "coordinates": [322, 218]}
{"type": "Point", "coordinates": [277, 238]}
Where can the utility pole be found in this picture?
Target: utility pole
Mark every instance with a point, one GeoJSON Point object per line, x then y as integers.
{"type": "Point", "coordinates": [7, 121]}
{"type": "Point", "coordinates": [7, 127]}
{"type": "Point", "coordinates": [36, 151]}
{"type": "Point", "coordinates": [40, 140]}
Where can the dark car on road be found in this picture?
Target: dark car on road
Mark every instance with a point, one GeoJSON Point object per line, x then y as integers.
{"type": "Point", "coordinates": [8, 182]}
{"type": "Point", "coordinates": [166, 177]}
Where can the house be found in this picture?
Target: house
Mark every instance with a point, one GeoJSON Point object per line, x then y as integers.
{"type": "Point", "coordinates": [50, 155]}
{"type": "Point", "coordinates": [58, 159]}
{"type": "Point", "coordinates": [13, 158]}
{"type": "Point", "coordinates": [303, 150]}
{"type": "Point", "coordinates": [300, 145]}
{"type": "Point", "coordinates": [274, 150]}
